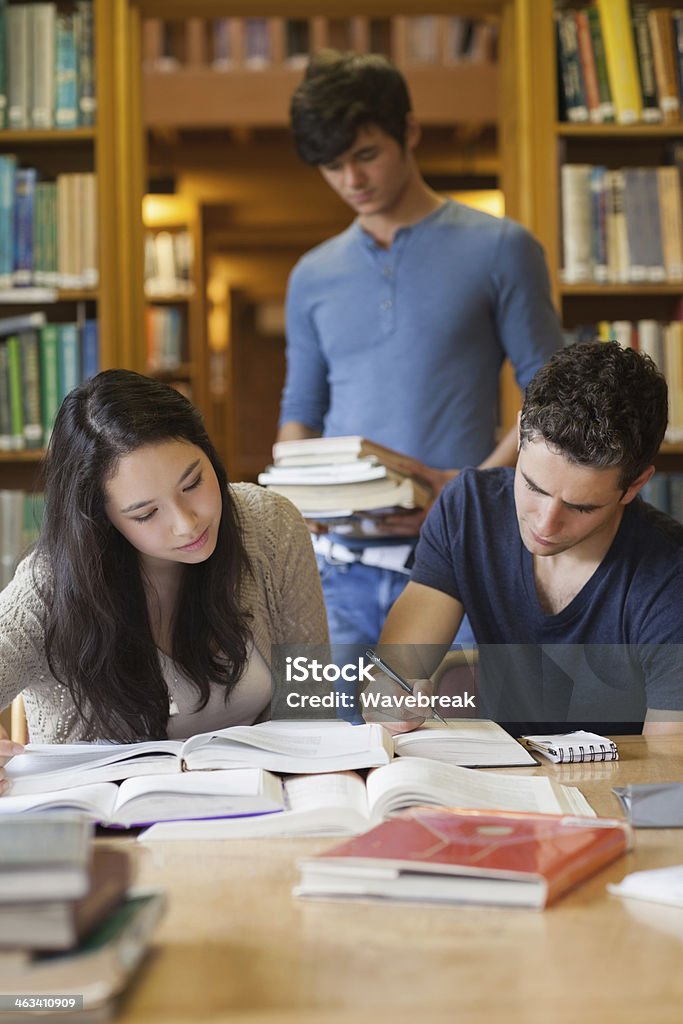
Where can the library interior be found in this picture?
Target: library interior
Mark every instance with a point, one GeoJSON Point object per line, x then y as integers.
{"type": "Point", "coordinates": [152, 208]}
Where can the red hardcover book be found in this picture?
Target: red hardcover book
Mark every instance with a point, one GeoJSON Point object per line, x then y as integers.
{"type": "Point", "coordinates": [503, 858]}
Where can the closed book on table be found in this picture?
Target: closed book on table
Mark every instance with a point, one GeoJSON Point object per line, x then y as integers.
{"type": "Point", "coordinates": [63, 923]}
{"type": "Point", "coordinates": [467, 856]}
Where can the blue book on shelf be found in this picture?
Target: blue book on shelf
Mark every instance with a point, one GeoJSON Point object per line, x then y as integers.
{"type": "Point", "coordinates": [69, 360]}
{"type": "Point", "coordinates": [90, 349]}
{"type": "Point", "coordinates": [8, 167]}
{"type": "Point", "coordinates": [66, 92]}
{"type": "Point", "coordinates": [24, 196]}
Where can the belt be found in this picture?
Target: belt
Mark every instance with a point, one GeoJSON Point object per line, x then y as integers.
{"type": "Point", "coordinates": [381, 556]}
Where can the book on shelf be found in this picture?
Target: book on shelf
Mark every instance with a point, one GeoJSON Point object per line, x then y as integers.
{"type": "Point", "coordinates": [100, 967]}
{"type": "Point", "coordinates": [600, 57]}
{"type": "Point", "coordinates": [572, 91]}
{"type": "Point", "coordinates": [573, 747]}
{"type": "Point", "coordinates": [646, 63]}
{"type": "Point", "coordinates": [61, 923]}
{"type": "Point", "coordinates": [665, 62]}
{"type": "Point", "coordinates": [277, 746]}
{"type": "Point", "coordinates": [343, 804]}
{"type": "Point", "coordinates": [622, 68]}
{"type": "Point", "coordinates": [145, 799]}
{"type": "Point", "coordinates": [44, 857]}
{"type": "Point", "coordinates": [499, 858]}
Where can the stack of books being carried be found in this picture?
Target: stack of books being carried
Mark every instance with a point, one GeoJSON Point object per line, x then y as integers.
{"type": "Point", "coordinates": [344, 478]}
{"type": "Point", "coordinates": [68, 922]}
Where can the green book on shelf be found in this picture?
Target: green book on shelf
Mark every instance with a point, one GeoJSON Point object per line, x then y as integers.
{"type": "Point", "coordinates": [16, 408]}
{"type": "Point", "coordinates": [49, 376]}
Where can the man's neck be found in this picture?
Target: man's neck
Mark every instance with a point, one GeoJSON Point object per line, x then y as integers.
{"type": "Point", "coordinates": [559, 578]}
{"type": "Point", "coordinates": [416, 203]}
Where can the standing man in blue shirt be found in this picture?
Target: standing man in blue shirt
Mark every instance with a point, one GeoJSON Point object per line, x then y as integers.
{"type": "Point", "coordinates": [397, 327]}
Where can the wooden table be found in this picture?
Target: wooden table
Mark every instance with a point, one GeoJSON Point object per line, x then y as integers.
{"type": "Point", "coordinates": [236, 946]}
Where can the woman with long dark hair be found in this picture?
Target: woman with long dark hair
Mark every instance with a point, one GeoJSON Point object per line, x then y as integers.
{"type": "Point", "coordinates": [150, 603]}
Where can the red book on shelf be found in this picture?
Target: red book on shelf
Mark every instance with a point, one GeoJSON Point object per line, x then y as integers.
{"type": "Point", "coordinates": [503, 858]}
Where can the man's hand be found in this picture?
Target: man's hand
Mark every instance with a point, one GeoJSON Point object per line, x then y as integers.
{"type": "Point", "coordinates": [398, 715]}
{"type": "Point", "coordinates": [7, 751]}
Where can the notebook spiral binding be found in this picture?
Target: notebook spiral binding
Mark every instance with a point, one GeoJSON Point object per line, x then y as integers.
{"type": "Point", "coordinates": [601, 752]}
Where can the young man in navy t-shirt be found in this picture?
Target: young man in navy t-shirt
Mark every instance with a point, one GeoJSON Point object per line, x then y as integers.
{"type": "Point", "coordinates": [573, 584]}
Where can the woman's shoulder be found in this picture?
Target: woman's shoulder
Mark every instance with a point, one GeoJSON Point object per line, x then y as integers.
{"type": "Point", "coordinates": [262, 509]}
{"type": "Point", "coordinates": [24, 588]}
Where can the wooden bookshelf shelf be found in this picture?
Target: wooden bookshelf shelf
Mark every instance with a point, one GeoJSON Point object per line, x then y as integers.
{"type": "Point", "coordinates": [169, 298]}
{"type": "Point", "coordinates": [605, 132]}
{"type": "Point", "coordinates": [665, 288]}
{"type": "Point", "coordinates": [32, 455]}
{"type": "Point", "coordinates": [53, 135]}
{"type": "Point", "coordinates": [184, 371]}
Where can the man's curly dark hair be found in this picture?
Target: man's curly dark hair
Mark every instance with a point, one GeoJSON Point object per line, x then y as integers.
{"type": "Point", "coordinates": [600, 405]}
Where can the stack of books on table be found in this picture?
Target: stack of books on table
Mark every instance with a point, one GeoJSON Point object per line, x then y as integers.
{"type": "Point", "coordinates": [71, 932]}
{"type": "Point", "coordinates": [342, 477]}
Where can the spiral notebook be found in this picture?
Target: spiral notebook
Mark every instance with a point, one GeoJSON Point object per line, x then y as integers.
{"type": "Point", "coordinates": [574, 746]}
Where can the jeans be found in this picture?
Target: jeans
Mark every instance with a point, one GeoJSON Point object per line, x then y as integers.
{"type": "Point", "coordinates": [358, 598]}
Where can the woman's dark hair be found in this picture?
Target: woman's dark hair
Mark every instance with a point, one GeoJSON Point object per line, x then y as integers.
{"type": "Point", "coordinates": [600, 405]}
{"type": "Point", "coordinates": [340, 93]}
{"type": "Point", "coordinates": [98, 638]}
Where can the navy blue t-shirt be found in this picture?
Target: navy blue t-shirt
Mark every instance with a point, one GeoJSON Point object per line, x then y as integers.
{"type": "Point", "coordinates": [613, 652]}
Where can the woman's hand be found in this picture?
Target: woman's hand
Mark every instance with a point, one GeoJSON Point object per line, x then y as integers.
{"type": "Point", "coordinates": [7, 750]}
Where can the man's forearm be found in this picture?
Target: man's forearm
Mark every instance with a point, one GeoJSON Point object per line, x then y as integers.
{"type": "Point", "coordinates": [295, 431]}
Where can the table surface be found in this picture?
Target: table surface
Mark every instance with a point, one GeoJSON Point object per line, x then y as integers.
{"type": "Point", "coordinates": [235, 945]}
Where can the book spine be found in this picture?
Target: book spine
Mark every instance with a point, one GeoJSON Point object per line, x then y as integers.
{"type": "Point", "coordinates": [49, 377]}
{"type": "Point", "coordinates": [615, 21]}
{"type": "Point", "coordinates": [576, 223]}
{"type": "Point", "coordinates": [8, 166]}
{"type": "Point", "coordinates": [599, 224]}
{"type": "Point", "coordinates": [30, 388]}
{"type": "Point", "coordinates": [570, 68]}
{"type": "Point", "coordinates": [3, 65]}
{"type": "Point", "coordinates": [90, 349]}
{"type": "Point", "coordinates": [677, 24]}
{"type": "Point", "coordinates": [646, 63]}
{"type": "Point", "coordinates": [617, 236]}
{"type": "Point", "coordinates": [598, 45]}
{"type": "Point", "coordinates": [5, 418]}
{"type": "Point", "coordinates": [16, 409]}
{"type": "Point", "coordinates": [663, 48]}
{"type": "Point", "coordinates": [654, 268]}
{"type": "Point", "coordinates": [24, 195]}
{"type": "Point", "coordinates": [66, 89]}
{"type": "Point", "coordinates": [590, 75]}
{"type": "Point", "coordinates": [42, 18]}
{"type": "Point", "coordinates": [634, 209]}
{"type": "Point", "coordinates": [609, 844]}
{"type": "Point", "coordinates": [85, 45]}
{"type": "Point", "coordinates": [671, 221]}
{"type": "Point", "coordinates": [18, 77]}
{"type": "Point", "coordinates": [69, 359]}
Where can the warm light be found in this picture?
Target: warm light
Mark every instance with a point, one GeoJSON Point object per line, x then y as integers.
{"type": "Point", "coordinates": [166, 211]}
{"type": "Point", "coordinates": [488, 200]}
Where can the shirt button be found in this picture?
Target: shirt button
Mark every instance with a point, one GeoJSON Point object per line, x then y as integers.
{"type": "Point", "coordinates": [387, 272]}
{"type": "Point", "coordinates": [387, 304]}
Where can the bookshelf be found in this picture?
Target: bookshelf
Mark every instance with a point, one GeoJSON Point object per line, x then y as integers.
{"type": "Point", "coordinates": [107, 151]}
{"type": "Point", "coordinates": [614, 146]}
{"type": "Point", "coordinates": [241, 71]}
{"type": "Point", "coordinates": [175, 330]}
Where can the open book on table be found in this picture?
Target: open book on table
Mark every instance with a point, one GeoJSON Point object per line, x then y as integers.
{"type": "Point", "coordinates": [290, 747]}
{"type": "Point", "coordinates": [343, 804]}
{"type": "Point", "coordinates": [146, 799]}
{"type": "Point", "coordinates": [469, 742]}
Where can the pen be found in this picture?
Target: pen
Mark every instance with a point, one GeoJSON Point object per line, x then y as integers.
{"type": "Point", "coordinates": [376, 660]}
